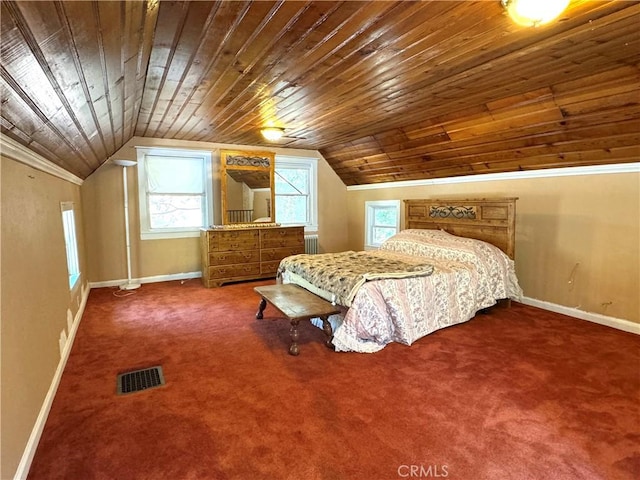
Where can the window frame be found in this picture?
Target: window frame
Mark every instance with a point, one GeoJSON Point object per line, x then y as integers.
{"type": "Point", "coordinates": [146, 231]}
{"type": "Point", "coordinates": [370, 209]}
{"type": "Point", "coordinates": [311, 165]}
{"type": "Point", "coordinates": [70, 235]}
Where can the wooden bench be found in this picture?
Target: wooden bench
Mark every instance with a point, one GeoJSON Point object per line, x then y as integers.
{"type": "Point", "coordinates": [297, 304]}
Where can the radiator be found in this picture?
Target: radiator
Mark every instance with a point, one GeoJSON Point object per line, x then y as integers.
{"type": "Point", "coordinates": [311, 244]}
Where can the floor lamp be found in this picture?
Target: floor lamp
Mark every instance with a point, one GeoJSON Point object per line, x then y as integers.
{"type": "Point", "coordinates": [124, 164]}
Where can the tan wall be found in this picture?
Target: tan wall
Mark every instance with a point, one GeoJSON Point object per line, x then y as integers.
{"type": "Point", "coordinates": [261, 199]}
{"type": "Point", "coordinates": [235, 199]}
{"type": "Point", "coordinates": [333, 222]}
{"type": "Point", "coordinates": [581, 228]}
{"type": "Point", "coordinates": [103, 212]}
{"type": "Point", "coordinates": [35, 297]}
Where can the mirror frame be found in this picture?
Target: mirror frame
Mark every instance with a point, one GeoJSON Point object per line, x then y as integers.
{"type": "Point", "coordinates": [247, 161]}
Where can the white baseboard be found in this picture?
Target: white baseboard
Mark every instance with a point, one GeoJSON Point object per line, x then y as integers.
{"type": "Point", "coordinates": [156, 278]}
{"type": "Point", "coordinates": [32, 444]}
{"type": "Point", "coordinates": [613, 322]}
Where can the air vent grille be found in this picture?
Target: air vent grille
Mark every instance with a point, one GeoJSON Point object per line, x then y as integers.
{"type": "Point", "coordinates": [139, 380]}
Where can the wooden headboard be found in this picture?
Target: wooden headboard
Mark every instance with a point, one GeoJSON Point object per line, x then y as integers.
{"type": "Point", "coordinates": [492, 220]}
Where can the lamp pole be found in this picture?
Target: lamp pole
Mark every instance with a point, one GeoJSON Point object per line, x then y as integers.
{"type": "Point", "coordinates": [130, 285]}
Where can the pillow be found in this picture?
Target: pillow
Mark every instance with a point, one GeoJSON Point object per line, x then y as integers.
{"type": "Point", "coordinates": [423, 242]}
{"type": "Point", "coordinates": [438, 244]}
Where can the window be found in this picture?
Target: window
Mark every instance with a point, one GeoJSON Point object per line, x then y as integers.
{"type": "Point", "coordinates": [382, 221]}
{"type": "Point", "coordinates": [175, 189]}
{"type": "Point", "coordinates": [70, 242]}
{"type": "Point", "coordinates": [296, 191]}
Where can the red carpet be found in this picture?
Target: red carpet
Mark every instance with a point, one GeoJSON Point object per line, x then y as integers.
{"type": "Point", "coordinates": [518, 393]}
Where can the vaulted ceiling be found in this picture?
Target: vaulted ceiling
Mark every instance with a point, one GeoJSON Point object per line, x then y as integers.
{"type": "Point", "coordinates": [385, 90]}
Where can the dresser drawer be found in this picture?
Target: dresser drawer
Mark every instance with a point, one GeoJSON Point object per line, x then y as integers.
{"type": "Point", "coordinates": [239, 240]}
{"type": "Point", "coordinates": [281, 237]}
{"type": "Point", "coordinates": [209, 240]}
{"type": "Point", "coordinates": [271, 254]}
{"type": "Point", "coordinates": [233, 257]}
{"type": "Point", "coordinates": [233, 271]}
{"type": "Point", "coordinates": [231, 240]}
{"type": "Point", "coordinates": [238, 235]}
{"type": "Point", "coordinates": [269, 268]}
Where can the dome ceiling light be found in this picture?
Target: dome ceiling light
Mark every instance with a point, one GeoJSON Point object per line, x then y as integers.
{"type": "Point", "coordinates": [532, 13]}
{"type": "Point", "coordinates": [272, 134]}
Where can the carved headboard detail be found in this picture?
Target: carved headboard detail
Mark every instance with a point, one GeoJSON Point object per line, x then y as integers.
{"type": "Point", "coordinates": [492, 220]}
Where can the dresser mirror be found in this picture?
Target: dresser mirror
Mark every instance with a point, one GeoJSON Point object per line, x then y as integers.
{"type": "Point", "coordinates": [247, 187]}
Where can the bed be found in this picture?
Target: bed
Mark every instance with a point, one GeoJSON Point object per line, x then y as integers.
{"type": "Point", "coordinates": [453, 259]}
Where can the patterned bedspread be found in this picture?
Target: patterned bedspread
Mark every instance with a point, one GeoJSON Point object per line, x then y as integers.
{"type": "Point", "coordinates": [468, 275]}
{"type": "Point", "coordinates": [342, 274]}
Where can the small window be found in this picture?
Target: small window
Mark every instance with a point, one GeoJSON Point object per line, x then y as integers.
{"type": "Point", "coordinates": [295, 191]}
{"type": "Point", "coordinates": [70, 242]}
{"type": "Point", "coordinates": [175, 192]}
{"type": "Point", "coordinates": [382, 221]}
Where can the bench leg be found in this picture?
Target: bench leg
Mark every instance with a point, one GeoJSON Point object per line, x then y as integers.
{"type": "Point", "coordinates": [263, 305]}
{"type": "Point", "coordinates": [293, 348]}
{"type": "Point", "coordinates": [328, 331]}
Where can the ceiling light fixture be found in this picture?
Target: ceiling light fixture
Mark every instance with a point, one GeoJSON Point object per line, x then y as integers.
{"type": "Point", "coordinates": [532, 13]}
{"type": "Point", "coordinates": [273, 134]}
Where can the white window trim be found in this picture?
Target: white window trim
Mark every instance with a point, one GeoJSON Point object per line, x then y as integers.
{"type": "Point", "coordinates": [370, 207]}
{"type": "Point", "coordinates": [146, 232]}
{"type": "Point", "coordinates": [71, 251]}
{"type": "Point", "coordinates": [312, 165]}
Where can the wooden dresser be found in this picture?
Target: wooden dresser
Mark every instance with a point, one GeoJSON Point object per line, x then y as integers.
{"type": "Point", "coordinates": [235, 254]}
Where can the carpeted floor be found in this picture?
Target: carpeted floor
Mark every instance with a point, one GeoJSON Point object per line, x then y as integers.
{"type": "Point", "coordinates": [518, 393]}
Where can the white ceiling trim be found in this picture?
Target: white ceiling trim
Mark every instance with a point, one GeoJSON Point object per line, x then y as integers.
{"type": "Point", "coordinates": [488, 177]}
{"type": "Point", "coordinates": [11, 149]}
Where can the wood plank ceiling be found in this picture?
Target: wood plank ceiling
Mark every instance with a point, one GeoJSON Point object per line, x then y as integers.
{"type": "Point", "coordinates": [385, 90]}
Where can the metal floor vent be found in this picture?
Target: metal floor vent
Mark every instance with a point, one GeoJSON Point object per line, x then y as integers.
{"type": "Point", "coordinates": [139, 380]}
